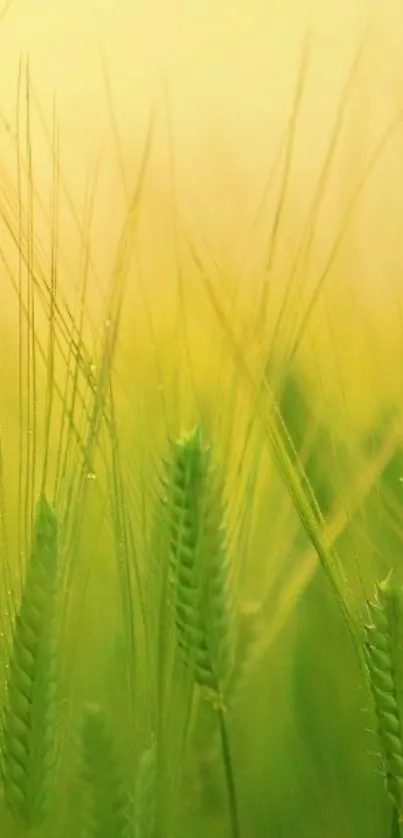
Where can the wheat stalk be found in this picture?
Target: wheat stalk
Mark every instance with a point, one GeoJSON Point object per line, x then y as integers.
{"type": "Point", "coordinates": [29, 727]}
{"type": "Point", "coordinates": [199, 580]}
{"type": "Point", "coordinates": [384, 655]}
{"type": "Point", "coordinates": [146, 790]}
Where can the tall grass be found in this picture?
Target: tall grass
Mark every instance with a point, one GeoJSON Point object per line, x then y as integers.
{"type": "Point", "coordinates": [185, 647]}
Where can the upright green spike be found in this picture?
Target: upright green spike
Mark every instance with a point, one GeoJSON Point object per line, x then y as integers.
{"type": "Point", "coordinates": [199, 577]}
{"type": "Point", "coordinates": [200, 582]}
{"type": "Point", "coordinates": [385, 662]}
{"type": "Point", "coordinates": [109, 815]}
{"type": "Point", "coordinates": [29, 727]}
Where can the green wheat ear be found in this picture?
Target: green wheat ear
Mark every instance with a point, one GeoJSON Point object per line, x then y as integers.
{"type": "Point", "coordinates": [29, 727]}
{"type": "Point", "coordinates": [384, 655]}
{"type": "Point", "coordinates": [199, 578]}
{"type": "Point", "coordinates": [199, 582]}
{"type": "Point", "coordinates": [109, 815]}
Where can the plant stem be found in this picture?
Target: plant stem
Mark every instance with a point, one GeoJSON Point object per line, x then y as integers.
{"type": "Point", "coordinates": [396, 829]}
{"type": "Point", "coordinates": [229, 774]}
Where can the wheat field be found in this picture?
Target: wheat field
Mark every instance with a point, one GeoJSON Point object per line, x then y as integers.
{"type": "Point", "coordinates": [201, 455]}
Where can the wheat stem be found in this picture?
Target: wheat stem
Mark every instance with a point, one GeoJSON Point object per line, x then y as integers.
{"type": "Point", "coordinates": [229, 773]}
{"type": "Point", "coordinates": [146, 793]}
{"type": "Point", "coordinates": [396, 830]}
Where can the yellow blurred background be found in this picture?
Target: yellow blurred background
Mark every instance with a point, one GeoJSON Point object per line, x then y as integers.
{"type": "Point", "coordinates": [221, 80]}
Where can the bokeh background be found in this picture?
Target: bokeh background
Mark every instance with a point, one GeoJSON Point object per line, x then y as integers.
{"type": "Point", "coordinates": [276, 169]}
{"type": "Point", "coordinates": [221, 82]}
